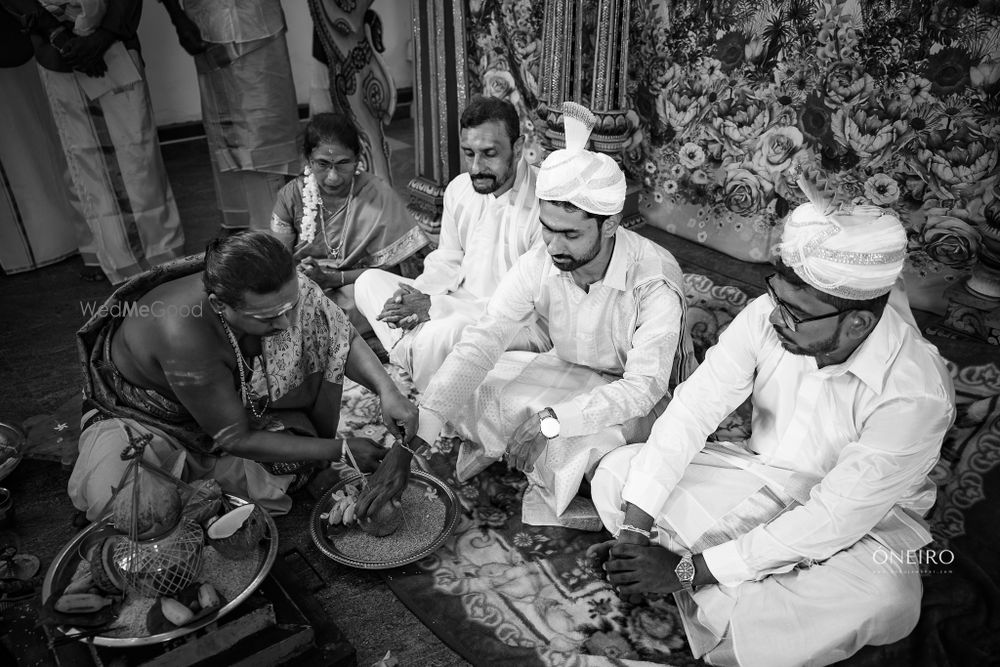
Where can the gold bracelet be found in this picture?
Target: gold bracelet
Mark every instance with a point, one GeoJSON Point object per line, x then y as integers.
{"type": "Point", "coordinates": [343, 450]}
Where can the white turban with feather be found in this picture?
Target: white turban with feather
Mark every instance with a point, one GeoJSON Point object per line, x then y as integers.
{"type": "Point", "coordinates": [590, 181]}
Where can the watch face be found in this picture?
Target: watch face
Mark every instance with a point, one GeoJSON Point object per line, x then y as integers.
{"type": "Point", "coordinates": [549, 427]}
{"type": "Point", "coordinates": [684, 570]}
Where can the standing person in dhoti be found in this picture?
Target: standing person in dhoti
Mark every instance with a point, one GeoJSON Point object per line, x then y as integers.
{"type": "Point", "coordinates": [610, 303]}
{"type": "Point", "coordinates": [95, 82]}
{"type": "Point", "coordinates": [248, 101]}
{"type": "Point", "coordinates": [490, 219]}
{"type": "Point", "coordinates": [791, 548]}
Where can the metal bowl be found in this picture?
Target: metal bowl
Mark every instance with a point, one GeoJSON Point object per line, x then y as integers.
{"type": "Point", "coordinates": [12, 440]}
{"type": "Point", "coordinates": [67, 559]}
{"type": "Point", "coordinates": [327, 537]}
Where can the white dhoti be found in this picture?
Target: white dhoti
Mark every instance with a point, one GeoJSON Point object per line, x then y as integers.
{"type": "Point", "coordinates": [811, 615]}
{"type": "Point", "coordinates": [521, 384]}
{"type": "Point", "coordinates": [99, 468]}
{"type": "Point", "coordinates": [107, 133]}
{"type": "Point", "coordinates": [421, 350]}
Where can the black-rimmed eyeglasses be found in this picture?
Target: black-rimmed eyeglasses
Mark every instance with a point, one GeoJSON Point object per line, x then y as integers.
{"type": "Point", "coordinates": [790, 319]}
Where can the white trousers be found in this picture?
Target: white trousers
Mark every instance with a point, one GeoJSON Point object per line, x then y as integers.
{"type": "Point", "coordinates": [813, 615]}
{"type": "Point", "coordinates": [422, 349]}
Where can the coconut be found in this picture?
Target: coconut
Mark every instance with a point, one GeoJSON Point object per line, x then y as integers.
{"type": "Point", "coordinates": [103, 569]}
{"type": "Point", "coordinates": [235, 534]}
{"type": "Point", "coordinates": [385, 522]}
{"type": "Point", "coordinates": [156, 508]}
{"type": "Point", "coordinates": [205, 501]}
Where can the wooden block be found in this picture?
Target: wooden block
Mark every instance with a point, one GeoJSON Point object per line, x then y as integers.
{"type": "Point", "coordinates": [275, 647]}
{"type": "Point", "coordinates": [203, 646]}
{"type": "Point", "coordinates": [333, 648]}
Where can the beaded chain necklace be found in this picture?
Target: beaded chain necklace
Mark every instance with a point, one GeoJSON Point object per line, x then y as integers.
{"type": "Point", "coordinates": [314, 214]}
{"type": "Point", "coordinates": [248, 397]}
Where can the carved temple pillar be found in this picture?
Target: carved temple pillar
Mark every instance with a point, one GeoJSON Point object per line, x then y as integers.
{"type": "Point", "coordinates": [439, 97]}
{"type": "Point", "coordinates": [565, 48]}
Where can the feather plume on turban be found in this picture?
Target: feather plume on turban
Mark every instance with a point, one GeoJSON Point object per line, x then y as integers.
{"type": "Point", "coordinates": [590, 181]}
{"type": "Point", "coordinates": [853, 252]}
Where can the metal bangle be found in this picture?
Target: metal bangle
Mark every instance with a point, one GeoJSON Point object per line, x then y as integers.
{"type": "Point", "coordinates": [54, 34]}
{"type": "Point", "coordinates": [635, 529]}
{"type": "Point", "coordinates": [343, 450]}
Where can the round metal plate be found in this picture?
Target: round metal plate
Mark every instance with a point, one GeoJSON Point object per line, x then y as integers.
{"type": "Point", "coordinates": [11, 448]}
{"type": "Point", "coordinates": [325, 536]}
{"type": "Point", "coordinates": [70, 555]}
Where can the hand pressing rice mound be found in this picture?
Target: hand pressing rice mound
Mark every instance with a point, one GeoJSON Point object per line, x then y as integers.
{"type": "Point", "coordinates": [385, 522]}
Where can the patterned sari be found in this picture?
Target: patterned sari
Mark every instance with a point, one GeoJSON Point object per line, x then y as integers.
{"type": "Point", "coordinates": [372, 229]}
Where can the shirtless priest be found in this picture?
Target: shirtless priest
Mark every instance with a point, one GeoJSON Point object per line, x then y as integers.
{"type": "Point", "coordinates": [230, 367]}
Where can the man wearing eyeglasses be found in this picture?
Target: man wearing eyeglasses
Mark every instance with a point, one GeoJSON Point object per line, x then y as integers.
{"type": "Point", "coordinates": [791, 548]}
{"type": "Point", "coordinates": [228, 367]}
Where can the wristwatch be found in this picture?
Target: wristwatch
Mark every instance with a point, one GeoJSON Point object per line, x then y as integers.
{"type": "Point", "coordinates": [549, 423]}
{"type": "Point", "coordinates": [685, 573]}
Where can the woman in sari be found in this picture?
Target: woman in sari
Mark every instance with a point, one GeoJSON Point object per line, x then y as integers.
{"type": "Point", "coordinates": [339, 220]}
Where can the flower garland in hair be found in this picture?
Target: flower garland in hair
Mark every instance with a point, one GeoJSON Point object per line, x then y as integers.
{"type": "Point", "coordinates": [310, 206]}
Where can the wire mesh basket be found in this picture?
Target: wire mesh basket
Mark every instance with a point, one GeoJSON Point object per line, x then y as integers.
{"type": "Point", "coordinates": [160, 550]}
{"type": "Point", "coordinates": [161, 566]}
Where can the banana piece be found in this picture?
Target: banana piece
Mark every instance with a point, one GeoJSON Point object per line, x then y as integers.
{"type": "Point", "coordinates": [81, 585]}
{"type": "Point", "coordinates": [336, 514]}
{"type": "Point", "coordinates": [81, 603]}
{"type": "Point", "coordinates": [349, 513]}
{"type": "Point", "coordinates": [207, 597]}
{"type": "Point", "coordinates": [175, 612]}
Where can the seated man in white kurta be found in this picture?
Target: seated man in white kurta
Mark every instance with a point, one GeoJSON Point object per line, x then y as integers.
{"type": "Point", "coordinates": [490, 218]}
{"type": "Point", "coordinates": [791, 548]}
{"type": "Point", "coordinates": [612, 305]}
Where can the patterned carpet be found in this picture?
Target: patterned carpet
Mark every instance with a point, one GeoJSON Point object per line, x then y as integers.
{"type": "Point", "coordinates": [503, 593]}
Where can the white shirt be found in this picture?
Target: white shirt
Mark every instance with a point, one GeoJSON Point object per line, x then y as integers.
{"type": "Point", "coordinates": [871, 428]}
{"type": "Point", "coordinates": [481, 238]}
{"type": "Point", "coordinates": [625, 327]}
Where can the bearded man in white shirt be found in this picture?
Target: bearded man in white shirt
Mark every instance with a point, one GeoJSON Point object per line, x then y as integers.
{"type": "Point", "coordinates": [791, 548]}
{"type": "Point", "coordinates": [610, 306]}
{"type": "Point", "coordinates": [490, 218]}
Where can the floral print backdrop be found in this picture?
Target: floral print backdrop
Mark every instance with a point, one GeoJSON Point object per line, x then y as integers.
{"type": "Point", "coordinates": [890, 102]}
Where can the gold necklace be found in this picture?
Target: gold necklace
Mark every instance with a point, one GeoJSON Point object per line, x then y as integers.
{"type": "Point", "coordinates": [334, 253]}
{"type": "Point", "coordinates": [249, 400]}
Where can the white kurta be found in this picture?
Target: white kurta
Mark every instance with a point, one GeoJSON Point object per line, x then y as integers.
{"type": "Point", "coordinates": [481, 238]}
{"type": "Point", "coordinates": [606, 376]}
{"type": "Point", "coordinates": [840, 453]}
